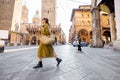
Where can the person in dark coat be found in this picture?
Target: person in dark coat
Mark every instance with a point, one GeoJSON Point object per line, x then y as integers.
{"type": "Point", "coordinates": [79, 45]}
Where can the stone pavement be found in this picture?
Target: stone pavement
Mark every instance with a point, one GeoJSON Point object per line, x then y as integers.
{"type": "Point", "coordinates": [92, 64]}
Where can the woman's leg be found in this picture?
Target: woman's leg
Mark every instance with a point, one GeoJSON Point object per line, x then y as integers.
{"type": "Point", "coordinates": [55, 55]}
{"type": "Point", "coordinates": [57, 59]}
{"type": "Point", "coordinates": [39, 59]}
{"type": "Point", "coordinates": [39, 65]}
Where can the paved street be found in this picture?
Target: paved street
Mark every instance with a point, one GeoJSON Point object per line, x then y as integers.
{"type": "Point", "coordinates": [93, 64]}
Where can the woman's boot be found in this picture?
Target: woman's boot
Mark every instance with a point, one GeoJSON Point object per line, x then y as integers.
{"type": "Point", "coordinates": [39, 65]}
{"type": "Point", "coordinates": [58, 61]}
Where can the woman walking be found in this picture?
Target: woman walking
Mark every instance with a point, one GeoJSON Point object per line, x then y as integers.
{"type": "Point", "coordinates": [79, 44]}
{"type": "Point", "coordinates": [45, 51]}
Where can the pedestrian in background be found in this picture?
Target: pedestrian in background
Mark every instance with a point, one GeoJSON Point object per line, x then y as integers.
{"type": "Point", "coordinates": [55, 43]}
{"type": "Point", "coordinates": [46, 51]}
{"type": "Point", "coordinates": [79, 44]}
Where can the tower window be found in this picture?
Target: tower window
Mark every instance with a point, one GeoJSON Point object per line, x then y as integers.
{"type": "Point", "coordinates": [88, 23]}
{"type": "Point", "coordinates": [82, 23]}
{"type": "Point", "coordinates": [82, 15]}
{"type": "Point", "coordinates": [88, 15]}
{"type": "Point", "coordinates": [48, 11]}
{"type": "Point", "coordinates": [108, 22]}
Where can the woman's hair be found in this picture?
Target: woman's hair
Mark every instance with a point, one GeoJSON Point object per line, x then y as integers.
{"type": "Point", "coordinates": [46, 20]}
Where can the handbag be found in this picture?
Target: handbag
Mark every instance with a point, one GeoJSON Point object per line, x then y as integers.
{"type": "Point", "coordinates": [47, 40]}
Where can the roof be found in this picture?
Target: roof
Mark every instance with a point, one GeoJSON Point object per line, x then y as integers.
{"type": "Point", "coordinates": [74, 10]}
{"type": "Point", "coordinates": [84, 9]}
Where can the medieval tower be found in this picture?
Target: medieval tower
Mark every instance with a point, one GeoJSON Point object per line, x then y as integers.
{"type": "Point", "coordinates": [49, 10]}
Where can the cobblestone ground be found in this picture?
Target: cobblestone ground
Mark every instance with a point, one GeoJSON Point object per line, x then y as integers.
{"type": "Point", "coordinates": [91, 64]}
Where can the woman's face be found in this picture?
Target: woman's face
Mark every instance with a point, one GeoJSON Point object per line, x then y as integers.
{"type": "Point", "coordinates": [43, 21]}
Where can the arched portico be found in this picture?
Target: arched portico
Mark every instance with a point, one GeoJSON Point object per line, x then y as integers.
{"type": "Point", "coordinates": [106, 37]}
{"type": "Point", "coordinates": [33, 40]}
{"type": "Point", "coordinates": [83, 34]}
{"type": "Point", "coordinates": [112, 7]}
{"type": "Point", "coordinates": [108, 7]}
{"type": "Point", "coordinates": [104, 6]}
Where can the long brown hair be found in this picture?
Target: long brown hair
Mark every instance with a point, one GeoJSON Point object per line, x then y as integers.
{"type": "Point", "coordinates": [46, 20]}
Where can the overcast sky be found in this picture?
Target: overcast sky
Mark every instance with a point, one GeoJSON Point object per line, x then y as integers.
{"type": "Point", "coordinates": [64, 9]}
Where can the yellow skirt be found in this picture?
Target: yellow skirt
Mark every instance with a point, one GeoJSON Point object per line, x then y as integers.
{"type": "Point", "coordinates": [45, 51]}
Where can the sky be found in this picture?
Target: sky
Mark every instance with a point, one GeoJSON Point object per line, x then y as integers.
{"type": "Point", "coordinates": [63, 11]}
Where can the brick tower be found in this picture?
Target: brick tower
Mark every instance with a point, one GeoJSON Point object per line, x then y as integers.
{"type": "Point", "coordinates": [49, 10]}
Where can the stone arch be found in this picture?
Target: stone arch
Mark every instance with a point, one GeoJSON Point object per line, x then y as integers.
{"type": "Point", "coordinates": [90, 38]}
{"type": "Point", "coordinates": [108, 7]}
{"type": "Point", "coordinates": [107, 4]}
{"type": "Point", "coordinates": [33, 40]}
{"type": "Point", "coordinates": [107, 36]}
{"type": "Point", "coordinates": [90, 35]}
{"type": "Point", "coordinates": [83, 34]}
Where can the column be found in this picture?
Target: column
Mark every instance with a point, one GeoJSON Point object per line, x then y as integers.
{"type": "Point", "coordinates": [112, 27]}
{"type": "Point", "coordinates": [29, 41]}
{"type": "Point", "coordinates": [89, 37]}
{"type": "Point", "coordinates": [96, 42]}
{"type": "Point", "coordinates": [116, 44]}
{"type": "Point", "coordinates": [117, 14]}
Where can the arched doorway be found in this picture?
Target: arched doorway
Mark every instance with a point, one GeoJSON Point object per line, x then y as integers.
{"type": "Point", "coordinates": [107, 37]}
{"type": "Point", "coordinates": [90, 38]}
{"type": "Point", "coordinates": [90, 35]}
{"type": "Point", "coordinates": [107, 6]}
{"type": "Point", "coordinates": [33, 41]}
{"type": "Point", "coordinates": [83, 35]}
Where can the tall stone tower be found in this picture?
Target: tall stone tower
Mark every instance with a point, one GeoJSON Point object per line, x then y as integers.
{"type": "Point", "coordinates": [10, 18]}
{"type": "Point", "coordinates": [24, 15]}
{"type": "Point", "coordinates": [6, 13]}
{"type": "Point", "coordinates": [10, 14]}
{"type": "Point", "coordinates": [49, 10]}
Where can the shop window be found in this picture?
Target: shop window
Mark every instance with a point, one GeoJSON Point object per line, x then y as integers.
{"type": "Point", "coordinates": [88, 15]}
{"type": "Point", "coordinates": [82, 15]}
{"type": "Point", "coordinates": [83, 23]}
{"type": "Point", "coordinates": [88, 23]}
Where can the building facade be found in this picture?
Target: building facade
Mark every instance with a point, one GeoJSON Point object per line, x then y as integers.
{"type": "Point", "coordinates": [71, 34]}
{"type": "Point", "coordinates": [16, 22]}
{"type": "Point", "coordinates": [34, 29]}
{"type": "Point", "coordinates": [23, 26]}
{"type": "Point", "coordinates": [24, 16]}
{"type": "Point", "coordinates": [10, 18]}
{"type": "Point", "coordinates": [82, 25]}
{"type": "Point", "coordinates": [34, 34]}
{"type": "Point", "coordinates": [111, 7]}
{"type": "Point", "coordinates": [5, 16]}
{"type": "Point", "coordinates": [16, 19]}
{"type": "Point", "coordinates": [59, 34]}
{"type": "Point", "coordinates": [105, 28]}
{"type": "Point", "coordinates": [49, 11]}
